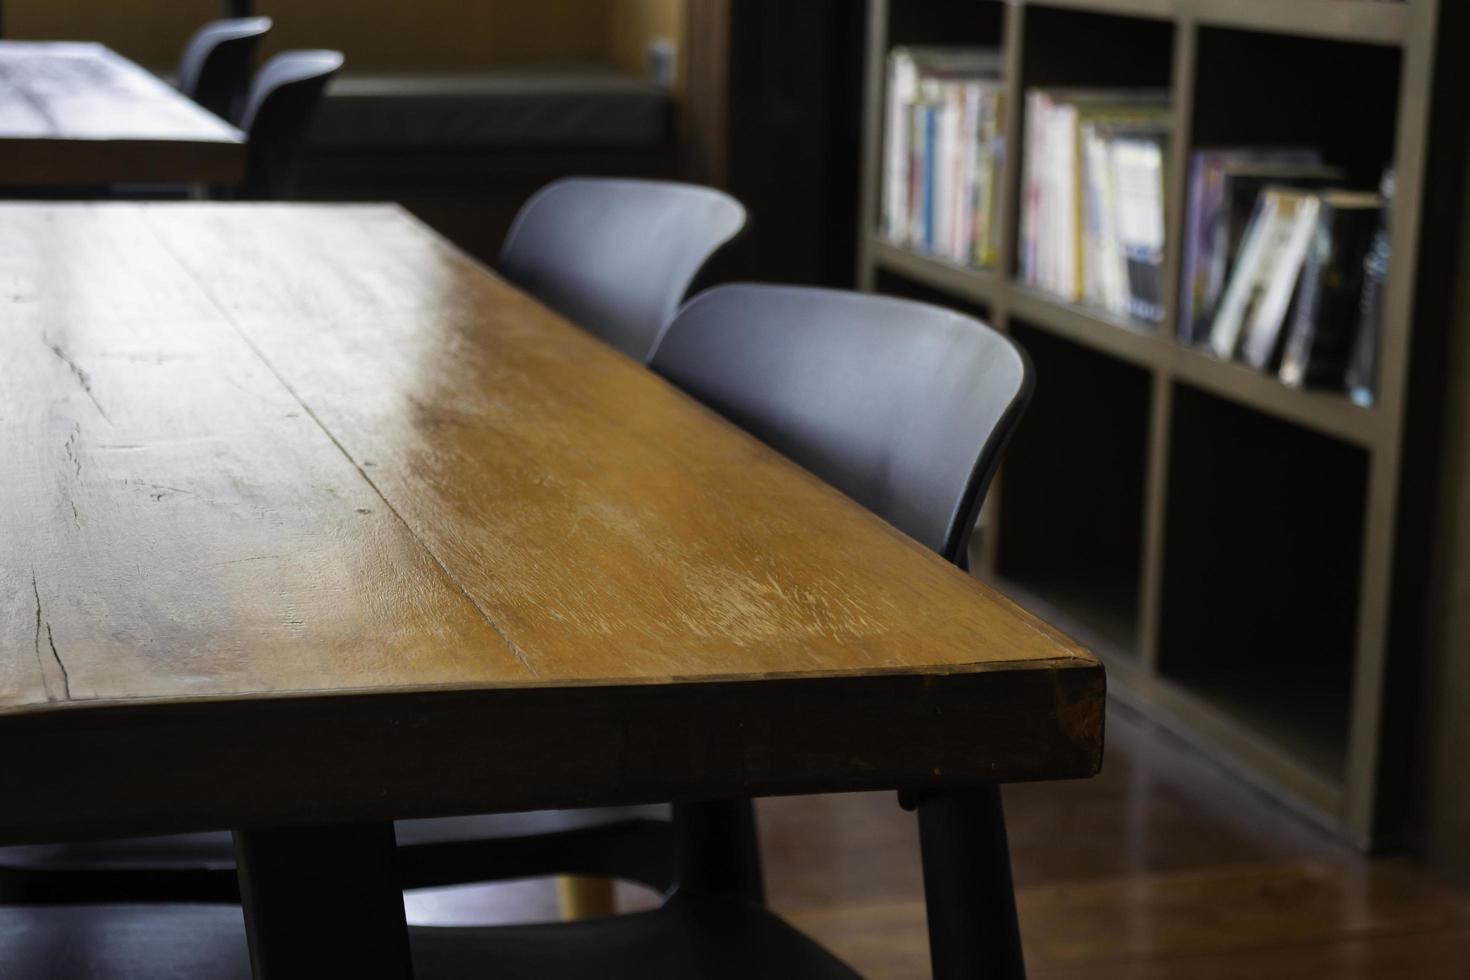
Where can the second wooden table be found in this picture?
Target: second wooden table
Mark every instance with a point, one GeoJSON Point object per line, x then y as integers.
{"type": "Point", "coordinates": [80, 115]}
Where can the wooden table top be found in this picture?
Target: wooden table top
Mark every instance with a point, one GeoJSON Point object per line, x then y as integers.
{"type": "Point", "coordinates": [307, 516]}
{"type": "Point", "coordinates": [74, 113]}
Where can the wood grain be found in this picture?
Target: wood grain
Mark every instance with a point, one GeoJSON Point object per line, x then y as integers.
{"type": "Point", "coordinates": [303, 491]}
{"type": "Point", "coordinates": [75, 113]}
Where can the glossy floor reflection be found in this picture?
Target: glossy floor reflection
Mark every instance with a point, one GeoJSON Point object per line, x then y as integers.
{"type": "Point", "coordinates": [1162, 867]}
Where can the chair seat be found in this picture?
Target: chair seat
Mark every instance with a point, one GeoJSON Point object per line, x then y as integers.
{"type": "Point", "coordinates": [632, 843]}
{"type": "Point", "coordinates": [689, 936]}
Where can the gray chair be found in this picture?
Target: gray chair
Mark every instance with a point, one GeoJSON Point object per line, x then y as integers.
{"type": "Point", "coordinates": [283, 99]}
{"type": "Point", "coordinates": [907, 408]}
{"type": "Point", "coordinates": [215, 68]}
{"type": "Point", "coordinates": [617, 257]}
{"type": "Point", "coordinates": [903, 406]}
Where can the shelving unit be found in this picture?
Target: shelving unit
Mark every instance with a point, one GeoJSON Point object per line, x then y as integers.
{"type": "Point", "coordinates": [1224, 542]}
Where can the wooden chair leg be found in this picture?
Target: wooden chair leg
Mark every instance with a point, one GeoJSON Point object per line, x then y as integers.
{"type": "Point", "coordinates": [973, 930]}
{"type": "Point", "coordinates": [585, 897]}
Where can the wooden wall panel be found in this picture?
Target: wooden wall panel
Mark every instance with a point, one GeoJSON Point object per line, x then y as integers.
{"type": "Point", "coordinates": [375, 34]}
{"type": "Point", "coordinates": [147, 31]}
{"type": "Point", "coordinates": [634, 23]}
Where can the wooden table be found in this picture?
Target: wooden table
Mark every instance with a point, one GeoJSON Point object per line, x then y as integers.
{"type": "Point", "coordinates": [78, 114]}
{"type": "Point", "coordinates": [306, 518]}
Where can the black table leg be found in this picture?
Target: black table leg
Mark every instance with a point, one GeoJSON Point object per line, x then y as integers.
{"type": "Point", "coordinates": [716, 850]}
{"type": "Point", "coordinates": [971, 904]}
{"type": "Point", "coordinates": [323, 901]}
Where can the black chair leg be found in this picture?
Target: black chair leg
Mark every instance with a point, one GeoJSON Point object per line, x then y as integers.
{"type": "Point", "coordinates": [716, 850]}
{"type": "Point", "coordinates": [973, 931]}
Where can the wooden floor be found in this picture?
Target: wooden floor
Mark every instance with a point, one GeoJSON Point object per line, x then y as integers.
{"type": "Point", "coordinates": [1162, 867]}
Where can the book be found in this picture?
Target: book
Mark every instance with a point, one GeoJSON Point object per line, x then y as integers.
{"type": "Point", "coordinates": [989, 146]}
{"type": "Point", "coordinates": [1328, 310]}
{"type": "Point", "coordinates": [942, 149]}
{"type": "Point", "coordinates": [1264, 333]}
{"type": "Point", "coordinates": [907, 66]}
{"type": "Point", "coordinates": [1242, 183]}
{"type": "Point", "coordinates": [1092, 207]}
{"type": "Point", "coordinates": [1362, 370]}
{"type": "Point", "coordinates": [1138, 174]}
{"type": "Point", "coordinates": [1268, 233]}
{"type": "Point", "coordinates": [1122, 216]}
{"type": "Point", "coordinates": [1202, 279]}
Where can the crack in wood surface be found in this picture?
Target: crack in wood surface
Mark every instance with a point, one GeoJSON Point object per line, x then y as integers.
{"type": "Point", "coordinates": [83, 379]}
{"type": "Point", "coordinates": [51, 643]}
{"type": "Point", "coordinates": [56, 656]}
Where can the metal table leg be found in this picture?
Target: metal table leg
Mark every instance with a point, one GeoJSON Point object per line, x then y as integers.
{"type": "Point", "coordinates": [973, 931]}
{"type": "Point", "coordinates": [323, 901]}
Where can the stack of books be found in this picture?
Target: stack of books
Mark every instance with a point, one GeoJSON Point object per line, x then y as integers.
{"type": "Point", "coordinates": [1283, 269]}
{"type": "Point", "coordinates": [1092, 212]}
{"type": "Point", "coordinates": [943, 152]}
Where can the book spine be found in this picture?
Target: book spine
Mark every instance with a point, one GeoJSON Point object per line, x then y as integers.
{"type": "Point", "coordinates": [915, 209]}
{"type": "Point", "coordinates": [1194, 227]}
{"type": "Point", "coordinates": [1028, 257]}
{"type": "Point", "coordinates": [1264, 331]}
{"type": "Point", "coordinates": [1308, 307]}
{"type": "Point", "coordinates": [931, 139]}
{"type": "Point", "coordinates": [1339, 318]}
{"type": "Point", "coordinates": [1362, 372]}
{"type": "Point", "coordinates": [901, 86]}
{"type": "Point", "coordinates": [991, 241]}
{"type": "Point", "coordinates": [964, 239]}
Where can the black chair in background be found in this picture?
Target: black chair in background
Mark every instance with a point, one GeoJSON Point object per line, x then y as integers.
{"type": "Point", "coordinates": [905, 407]}
{"type": "Point", "coordinates": [215, 68]}
{"type": "Point", "coordinates": [283, 99]}
{"type": "Point", "coordinates": [618, 256]}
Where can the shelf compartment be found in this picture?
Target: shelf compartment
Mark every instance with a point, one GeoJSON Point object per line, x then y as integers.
{"type": "Point", "coordinates": [897, 284]}
{"type": "Point", "coordinates": [1071, 500]}
{"type": "Point", "coordinates": [1330, 413]}
{"type": "Point", "coordinates": [1362, 21]}
{"type": "Point", "coordinates": [945, 22]}
{"type": "Point", "coordinates": [1082, 47]}
{"type": "Point", "coordinates": [1227, 739]}
{"type": "Point", "coordinates": [1261, 574]}
{"type": "Point", "coordinates": [1327, 412]}
{"type": "Point", "coordinates": [1136, 343]}
{"type": "Point", "coordinates": [1339, 97]}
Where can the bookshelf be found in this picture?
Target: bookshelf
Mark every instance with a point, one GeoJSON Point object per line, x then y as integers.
{"type": "Point", "coordinates": [1224, 542]}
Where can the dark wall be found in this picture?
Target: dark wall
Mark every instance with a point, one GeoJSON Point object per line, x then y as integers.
{"type": "Point", "coordinates": [790, 132]}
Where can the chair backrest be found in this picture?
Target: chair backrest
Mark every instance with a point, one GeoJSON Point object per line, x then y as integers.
{"type": "Point", "coordinates": [903, 406]}
{"type": "Point", "coordinates": [617, 257]}
{"type": "Point", "coordinates": [215, 68]}
{"type": "Point", "coordinates": [283, 100]}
